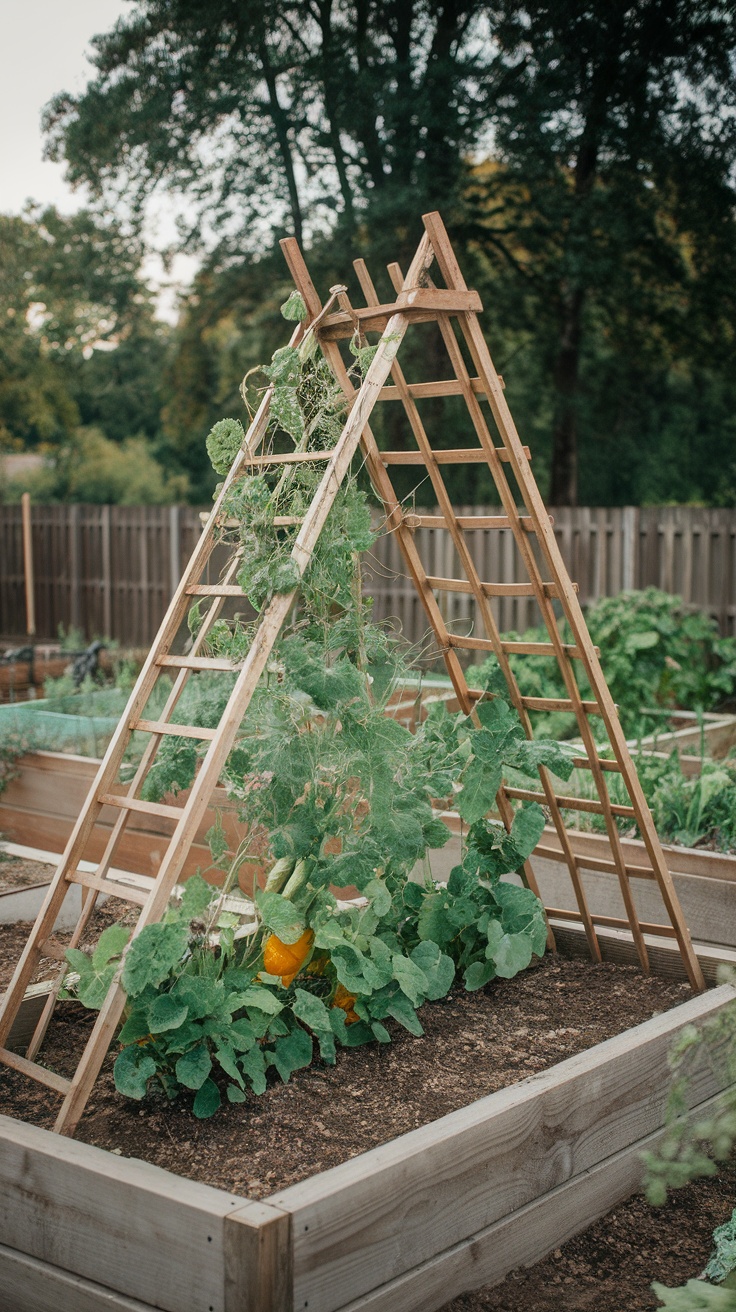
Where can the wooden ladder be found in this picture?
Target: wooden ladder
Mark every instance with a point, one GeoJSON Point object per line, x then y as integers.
{"type": "Point", "coordinates": [417, 300]}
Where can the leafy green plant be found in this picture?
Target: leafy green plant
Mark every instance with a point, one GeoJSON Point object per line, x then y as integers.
{"type": "Point", "coordinates": [334, 794]}
{"type": "Point", "coordinates": [655, 653]}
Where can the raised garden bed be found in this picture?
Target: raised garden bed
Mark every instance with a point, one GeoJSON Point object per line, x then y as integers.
{"type": "Point", "coordinates": [450, 1206]}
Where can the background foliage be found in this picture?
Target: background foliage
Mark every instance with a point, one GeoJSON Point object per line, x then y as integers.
{"type": "Point", "coordinates": [581, 153]}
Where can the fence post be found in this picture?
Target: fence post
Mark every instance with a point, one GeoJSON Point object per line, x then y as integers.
{"type": "Point", "coordinates": [105, 525]}
{"type": "Point", "coordinates": [630, 530]}
{"type": "Point", "coordinates": [75, 566]}
{"type": "Point", "coordinates": [174, 548]}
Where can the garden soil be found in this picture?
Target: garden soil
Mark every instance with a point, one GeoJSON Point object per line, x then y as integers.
{"type": "Point", "coordinates": [474, 1044]}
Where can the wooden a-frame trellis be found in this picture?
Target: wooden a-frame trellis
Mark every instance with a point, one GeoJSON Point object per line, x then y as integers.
{"type": "Point", "coordinates": [417, 300]}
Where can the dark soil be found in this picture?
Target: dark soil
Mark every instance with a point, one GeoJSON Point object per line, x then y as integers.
{"type": "Point", "coordinates": [17, 873]}
{"type": "Point", "coordinates": [473, 1045]}
{"type": "Point", "coordinates": [610, 1267]}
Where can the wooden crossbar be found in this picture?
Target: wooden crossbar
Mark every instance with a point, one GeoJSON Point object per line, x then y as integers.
{"type": "Point", "coordinates": [454, 309]}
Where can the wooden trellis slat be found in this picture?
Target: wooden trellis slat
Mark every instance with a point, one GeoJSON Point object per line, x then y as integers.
{"type": "Point", "coordinates": [529, 530]}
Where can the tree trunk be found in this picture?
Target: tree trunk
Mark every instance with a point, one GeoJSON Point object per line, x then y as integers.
{"type": "Point", "coordinates": [280, 122]}
{"type": "Point", "coordinates": [564, 483]}
{"type": "Point", "coordinates": [330, 74]}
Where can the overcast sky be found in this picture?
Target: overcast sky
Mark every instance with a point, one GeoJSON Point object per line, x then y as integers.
{"type": "Point", "coordinates": [43, 49]}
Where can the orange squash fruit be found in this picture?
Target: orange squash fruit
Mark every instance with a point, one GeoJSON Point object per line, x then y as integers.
{"type": "Point", "coordinates": [286, 959]}
{"type": "Point", "coordinates": [346, 1001]}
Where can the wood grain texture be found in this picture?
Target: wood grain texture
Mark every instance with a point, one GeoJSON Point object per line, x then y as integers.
{"type": "Point", "coordinates": [519, 1240]}
{"type": "Point", "coordinates": [258, 1260]}
{"type": "Point", "coordinates": [28, 1285]}
{"type": "Point", "coordinates": [390, 1210]}
{"type": "Point", "coordinates": [114, 1221]}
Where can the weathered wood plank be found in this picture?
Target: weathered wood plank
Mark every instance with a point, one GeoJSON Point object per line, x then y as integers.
{"type": "Point", "coordinates": [28, 1285]}
{"type": "Point", "coordinates": [390, 1210]}
{"type": "Point", "coordinates": [519, 1240]}
{"type": "Point", "coordinates": [114, 1221]}
{"type": "Point", "coordinates": [258, 1260]}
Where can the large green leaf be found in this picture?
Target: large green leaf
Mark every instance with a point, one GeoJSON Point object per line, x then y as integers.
{"type": "Point", "coordinates": [481, 782]}
{"type": "Point", "coordinates": [280, 916]}
{"type": "Point", "coordinates": [165, 1013]}
{"type": "Point", "coordinates": [155, 952]}
{"type": "Point", "coordinates": [527, 828]}
{"type": "Point", "coordinates": [132, 1071]}
{"type": "Point", "coordinates": [292, 1052]}
{"type": "Point", "coordinates": [411, 979]}
{"type": "Point", "coordinates": [514, 952]}
{"type": "Point", "coordinates": [207, 1100]}
{"type": "Point", "coordinates": [193, 1068]}
{"type": "Point", "coordinates": [436, 966]}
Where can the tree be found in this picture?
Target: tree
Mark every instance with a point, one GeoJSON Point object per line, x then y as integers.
{"type": "Point", "coordinates": [615, 206]}
{"type": "Point", "coordinates": [290, 112]}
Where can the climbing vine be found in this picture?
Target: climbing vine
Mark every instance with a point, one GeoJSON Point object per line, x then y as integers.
{"type": "Point", "coordinates": [335, 797]}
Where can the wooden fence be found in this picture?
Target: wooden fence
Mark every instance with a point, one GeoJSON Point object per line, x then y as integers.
{"type": "Point", "coordinates": [111, 569]}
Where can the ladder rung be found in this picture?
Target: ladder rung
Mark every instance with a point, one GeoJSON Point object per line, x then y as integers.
{"type": "Point", "coordinates": [472, 455]}
{"type": "Point", "coordinates": [177, 730]}
{"type": "Point", "coordinates": [613, 922]}
{"type": "Point", "coordinates": [278, 521]}
{"type": "Point", "coordinates": [558, 704]}
{"type": "Point", "coordinates": [287, 458]}
{"type": "Point", "coordinates": [444, 387]}
{"type": "Point", "coordinates": [569, 803]}
{"type": "Point", "coordinates": [35, 1072]}
{"type": "Point", "coordinates": [597, 863]}
{"type": "Point", "coordinates": [493, 589]}
{"type": "Point", "coordinates": [585, 763]}
{"type": "Point", "coordinates": [468, 523]}
{"type": "Point", "coordinates": [113, 887]}
{"type": "Point", "coordinates": [197, 663]}
{"type": "Point", "coordinates": [214, 590]}
{"type": "Point", "coordinates": [127, 803]}
{"type": "Point", "coordinates": [420, 305]}
{"type": "Point", "coordinates": [511, 648]}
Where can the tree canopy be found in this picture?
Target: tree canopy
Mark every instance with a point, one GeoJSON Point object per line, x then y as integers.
{"type": "Point", "coordinates": [581, 153]}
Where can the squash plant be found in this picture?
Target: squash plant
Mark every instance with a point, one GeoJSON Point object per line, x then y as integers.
{"type": "Point", "coordinates": [335, 794]}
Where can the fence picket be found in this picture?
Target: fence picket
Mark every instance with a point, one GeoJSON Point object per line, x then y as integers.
{"type": "Point", "coordinates": [110, 570]}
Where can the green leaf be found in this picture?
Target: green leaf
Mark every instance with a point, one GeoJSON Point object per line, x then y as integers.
{"type": "Point", "coordinates": [557, 757]}
{"type": "Point", "coordinates": [165, 1013]}
{"type": "Point", "coordinates": [196, 897]}
{"type": "Point", "coordinates": [481, 782]}
{"type": "Point", "coordinates": [527, 828]}
{"type": "Point", "coordinates": [401, 1009]}
{"type": "Point", "coordinates": [225, 1055]}
{"type": "Point", "coordinates": [280, 916]}
{"type": "Point", "coordinates": [292, 1052]}
{"type": "Point", "coordinates": [132, 1071]}
{"type": "Point", "coordinates": [153, 955]}
{"type": "Point", "coordinates": [294, 308]}
{"type": "Point", "coordinates": [311, 1010]}
{"type": "Point", "coordinates": [478, 974]}
{"type": "Point", "coordinates": [380, 1032]}
{"type": "Point", "coordinates": [193, 1068]}
{"type": "Point", "coordinates": [253, 1066]}
{"type": "Point", "coordinates": [260, 997]}
{"type": "Point", "coordinates": [514, 952]}
{"type": "Point", "coordinates": [207, 1101]}
{"type": "Point", "coordinates": [349, 964]}
{"type": "Point", "coordinates": [285, 409]}
{"type": "Point", "coordinates": [379, 897]}
{"type": "Point", "coordinates": [110, 945]}
{"type": "Point", "coordinates": [437, 967]}
{"type": "Point", "coordinates": [234, 1094]}
{"type": "Point", "coordinates": [411, 979]}
{"type": "Point", "coordinates": [136, 1027]}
